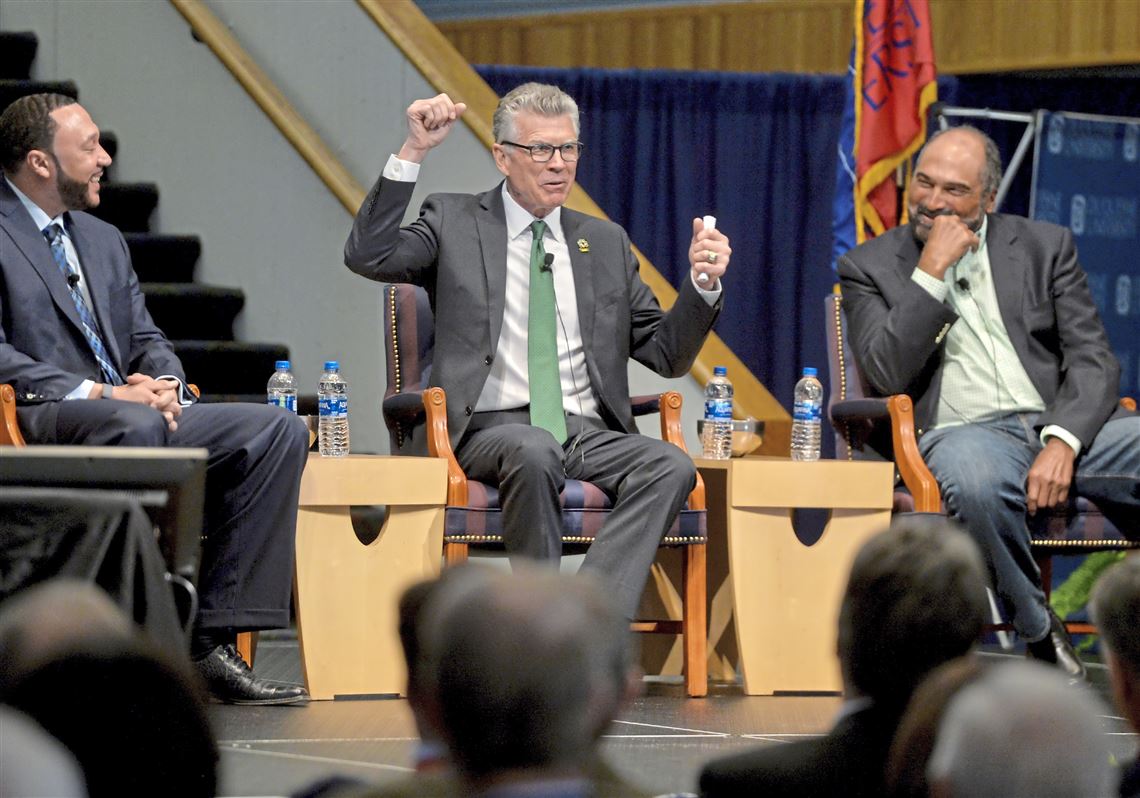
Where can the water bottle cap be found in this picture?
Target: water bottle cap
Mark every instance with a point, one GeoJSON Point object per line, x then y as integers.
{"type": "Point", "coordinates": [332, 365]}
{"type": "Point", "coordinates": [809, 371]}
{"type": "Point", "coordinates": [281, 364]}
{"type": "Point", "coordinates": [719, 371]}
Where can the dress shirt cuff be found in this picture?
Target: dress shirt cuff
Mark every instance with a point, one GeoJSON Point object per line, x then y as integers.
{"type": "Point", "coordinates": [1053, 431]}
{"type": "Point", "coordinates": [709, 295]}
{"type": "Point", "coordinates": [931, 284]}
{"type": "Point", "coordinates": [185, 398]}
{"type": "Point", "coordinates": [82, 392]}
{"type": "Point", "coordinates": [400, 170]}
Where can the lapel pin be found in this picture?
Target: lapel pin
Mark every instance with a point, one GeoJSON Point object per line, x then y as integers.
{"type": "Point", "coordinates": [583, 245]}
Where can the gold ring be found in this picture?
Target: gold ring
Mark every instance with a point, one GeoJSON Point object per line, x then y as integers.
{"type": "Point", "coordinates": [711, 257]}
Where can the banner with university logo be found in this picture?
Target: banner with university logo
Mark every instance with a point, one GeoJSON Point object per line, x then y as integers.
{"type": "Point", "coordinates": [1087, 178]}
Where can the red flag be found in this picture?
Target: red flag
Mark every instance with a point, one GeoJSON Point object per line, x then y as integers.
{"type": "Point", "coordinates": [894, 86]}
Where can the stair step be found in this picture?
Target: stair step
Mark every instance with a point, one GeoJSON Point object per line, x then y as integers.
{"type": "Point", "coordinates": [17, 52]}
{"type": "Point", "coordinates": [192, 311]}
{"type": "Point", "coordinates": [164, 259]}
{"type": "Point", "coordinates": [128, 206]}
{"type": "Point", "coordinates": [229, 368]}
{"type": "Point", "coordinates": [12, 90]}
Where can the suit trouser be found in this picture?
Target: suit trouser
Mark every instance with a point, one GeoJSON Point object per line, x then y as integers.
{"type": "Point", "coordinates": [981, 469]}
{"type": "Point", "coordinates": [648, 479]}
{"type": "Point", "coordinates": [253, 477]}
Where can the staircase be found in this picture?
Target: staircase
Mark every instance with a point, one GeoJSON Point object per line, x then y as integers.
{"type": "Point", "coordinates": [198, 319]}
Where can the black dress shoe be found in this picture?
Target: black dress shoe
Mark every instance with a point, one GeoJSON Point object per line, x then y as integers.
{"type": "Point", "coordinates": [1056, 649]}
{"type": "Point", "coordinates": [231, 681]}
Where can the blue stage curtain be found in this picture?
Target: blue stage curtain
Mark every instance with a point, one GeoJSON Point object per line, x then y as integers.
{"type": "Point", "coordinates": [757, 152]}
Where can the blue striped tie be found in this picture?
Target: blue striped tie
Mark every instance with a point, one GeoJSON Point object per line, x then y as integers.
{"type": "Point", "coordinates": [54, 234]}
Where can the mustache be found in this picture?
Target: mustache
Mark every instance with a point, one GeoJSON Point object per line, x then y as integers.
{"type": "Point", "coordinates": [925, 211]}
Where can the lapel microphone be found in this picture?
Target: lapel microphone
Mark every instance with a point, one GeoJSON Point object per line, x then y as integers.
{"type": "Point", "coordinates": [72, 280]}
{"type": "Point", "coordinates": [546, 262]}
{"type": "Point", "coordinates": [964, 284]}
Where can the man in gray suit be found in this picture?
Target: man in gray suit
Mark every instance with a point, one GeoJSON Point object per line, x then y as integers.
{"type": "Point", "coordinates": [89, 366]}
{"type": "Point", "coordinates": [986, 321]}
{"type": "Point", "coordinates": [538, 309]}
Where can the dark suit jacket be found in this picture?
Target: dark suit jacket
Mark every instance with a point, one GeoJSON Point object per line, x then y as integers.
{"type": "Point", "coordinates": [457, 250]}
{"type": "Point", "coordinates": [43, 353]}
{"type": "Point", "coordinates": [848, 761]}
{"type": "Point", "coordinates": [896, 328]}
{"type": "Point", "coordinates": [1130, 779]}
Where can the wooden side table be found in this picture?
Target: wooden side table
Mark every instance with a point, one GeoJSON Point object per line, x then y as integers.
{"type": "Point", "coordinates": [346, 592]}
{"type": "Point", "coordinates": [786, 595]}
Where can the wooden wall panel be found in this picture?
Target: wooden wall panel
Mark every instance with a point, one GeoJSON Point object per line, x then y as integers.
{"type": "Point", "coordinates": [806, 36]}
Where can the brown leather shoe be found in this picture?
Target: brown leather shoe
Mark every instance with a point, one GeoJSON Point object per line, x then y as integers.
{"type": "Point", "coordinates": [1057, 649]}
{"type": "Point", "coordinates": [231, 681]}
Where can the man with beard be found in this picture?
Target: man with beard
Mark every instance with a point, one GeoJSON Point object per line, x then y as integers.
{"type": "Point", "coordinates": [88, 366]}
{"type": "Point", "coordinates": [987, 322]}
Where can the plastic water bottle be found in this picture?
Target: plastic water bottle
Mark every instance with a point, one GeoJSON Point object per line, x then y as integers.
{"type": "Point", "coordinates": [282, 388]}
{"type": "Point", "coordinates": [332, 398]}
{"type": "Point", "coordinates": [716, 435]}
{"type": "Point", "coordinates": [807, 417]}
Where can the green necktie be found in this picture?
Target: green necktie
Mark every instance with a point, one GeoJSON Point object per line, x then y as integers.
{"type": "Point", "coordinates": [542, 344]}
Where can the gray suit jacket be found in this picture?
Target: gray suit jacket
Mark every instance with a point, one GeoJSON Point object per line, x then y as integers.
{"type": "Point", "coordinates": [43, 353]}
{"type": "Point", "coordinates": [896, 328]}
{"type": "Point", "coordinates": [457, 250]}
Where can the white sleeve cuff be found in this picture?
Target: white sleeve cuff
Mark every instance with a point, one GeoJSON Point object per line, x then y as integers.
{"type": "Point", "coordinates": [710, 295]}
{"type": "Point", "coordinates": [185, 398]}
{"type": "Point", "coordinates": [82, 392]}
{"type": "Point", "coordinates": [1053, 431]}
{"type": "Point", "coordinates": [931, 284]}
{"type": "Point", "coordinates": [402, 171]}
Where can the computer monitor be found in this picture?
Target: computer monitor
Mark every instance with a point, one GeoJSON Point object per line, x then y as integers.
{"type": "Point", "coordinates": [169, 483]}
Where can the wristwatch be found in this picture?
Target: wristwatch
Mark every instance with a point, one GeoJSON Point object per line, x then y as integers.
{"type": "Point", "coordinates": [106, 390]}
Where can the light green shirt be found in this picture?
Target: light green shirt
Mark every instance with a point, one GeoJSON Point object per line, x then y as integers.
{"type": "Point", "coordinates": [982, 376]}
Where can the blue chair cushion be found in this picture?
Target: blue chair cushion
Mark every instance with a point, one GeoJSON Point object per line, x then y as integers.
{"type": "Point", "coordinates": [585, 507]}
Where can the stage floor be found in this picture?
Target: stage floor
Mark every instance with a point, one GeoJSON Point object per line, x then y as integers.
{"type": "Point", "coordinates": [661, 741]}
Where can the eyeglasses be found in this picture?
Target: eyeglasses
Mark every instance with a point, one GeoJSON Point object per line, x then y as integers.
{"type": "Point", "coordinates": [544, 152]}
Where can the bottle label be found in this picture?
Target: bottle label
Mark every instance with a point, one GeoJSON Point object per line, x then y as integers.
{"type": "Point", "coordinates": [718, 409]}
{"type": "Point", "coordinates": [807, 411]}
{"type": "Point", "coordinates": [285, 401]}
{"type": "Point", "coordinates": [333, 407]}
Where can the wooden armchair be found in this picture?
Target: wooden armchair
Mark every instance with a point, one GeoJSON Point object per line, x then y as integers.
{"type": "Point", "coordinates": [872, 427]}
{"type": "Point", "coordinates": [472, 517]}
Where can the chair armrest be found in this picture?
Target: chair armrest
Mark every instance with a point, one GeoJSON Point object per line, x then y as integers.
{"type": "Point", "coordinates": [917, 477]}
{"type": "Point", "coordinates": [439, 445]}
{"type": "Point", "coordinates": [848, 411]}
{"type": "Point", "coordinates": [405, 409]}
{"type": "Point", "coordinates": [669, 404]}
{"type": "Point", "coordinates": [645, 405]}
{"type": "Point", "coordinates": [9, 429]}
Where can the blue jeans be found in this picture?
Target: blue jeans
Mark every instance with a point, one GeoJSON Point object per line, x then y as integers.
{"type": "Point", "coordinates": [981, 469]}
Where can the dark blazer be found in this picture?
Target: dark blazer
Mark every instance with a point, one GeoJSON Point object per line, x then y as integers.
{"type": "Point", "coordinates": [896, 328]}
{"type": "Point", "coordinates": [848, 761]}
{"type": "Point", "coordinates": [1130, 779]}
{"type": "Point", "coordinates": [457, 250]}
{"type": "Point", "coordinates": [43, 353]}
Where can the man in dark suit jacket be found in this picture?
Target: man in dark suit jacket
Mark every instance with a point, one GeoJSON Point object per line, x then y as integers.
{"type": "Point", "coordinates": [915, 599]}
{"type": "Point", "coordinates": [89, 366]}
{"type": "Point", "coordinates": [986, 321]}
{"type": "Point", "coordinates": [522, 416]}
{"type": "Point", "coordinates": [1115, 606]}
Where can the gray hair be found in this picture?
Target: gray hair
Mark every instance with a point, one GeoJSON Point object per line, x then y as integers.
{"type": "Point", "coordinates": [528, 668]}
{"type": "Point", "coordinates": [536, 98]}
{"type": "Point", "coordinates": [1115, 607]}
{"type": "Point", "coordinates": [915, 599]}
{"type": "Point", "coordinates": [991, 170]}
{"type": "Point", "coordinates": [1021, 731]}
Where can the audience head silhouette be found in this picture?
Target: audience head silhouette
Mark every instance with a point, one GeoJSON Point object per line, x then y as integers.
{"type": "Point", "coordinates": [915, 599]}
